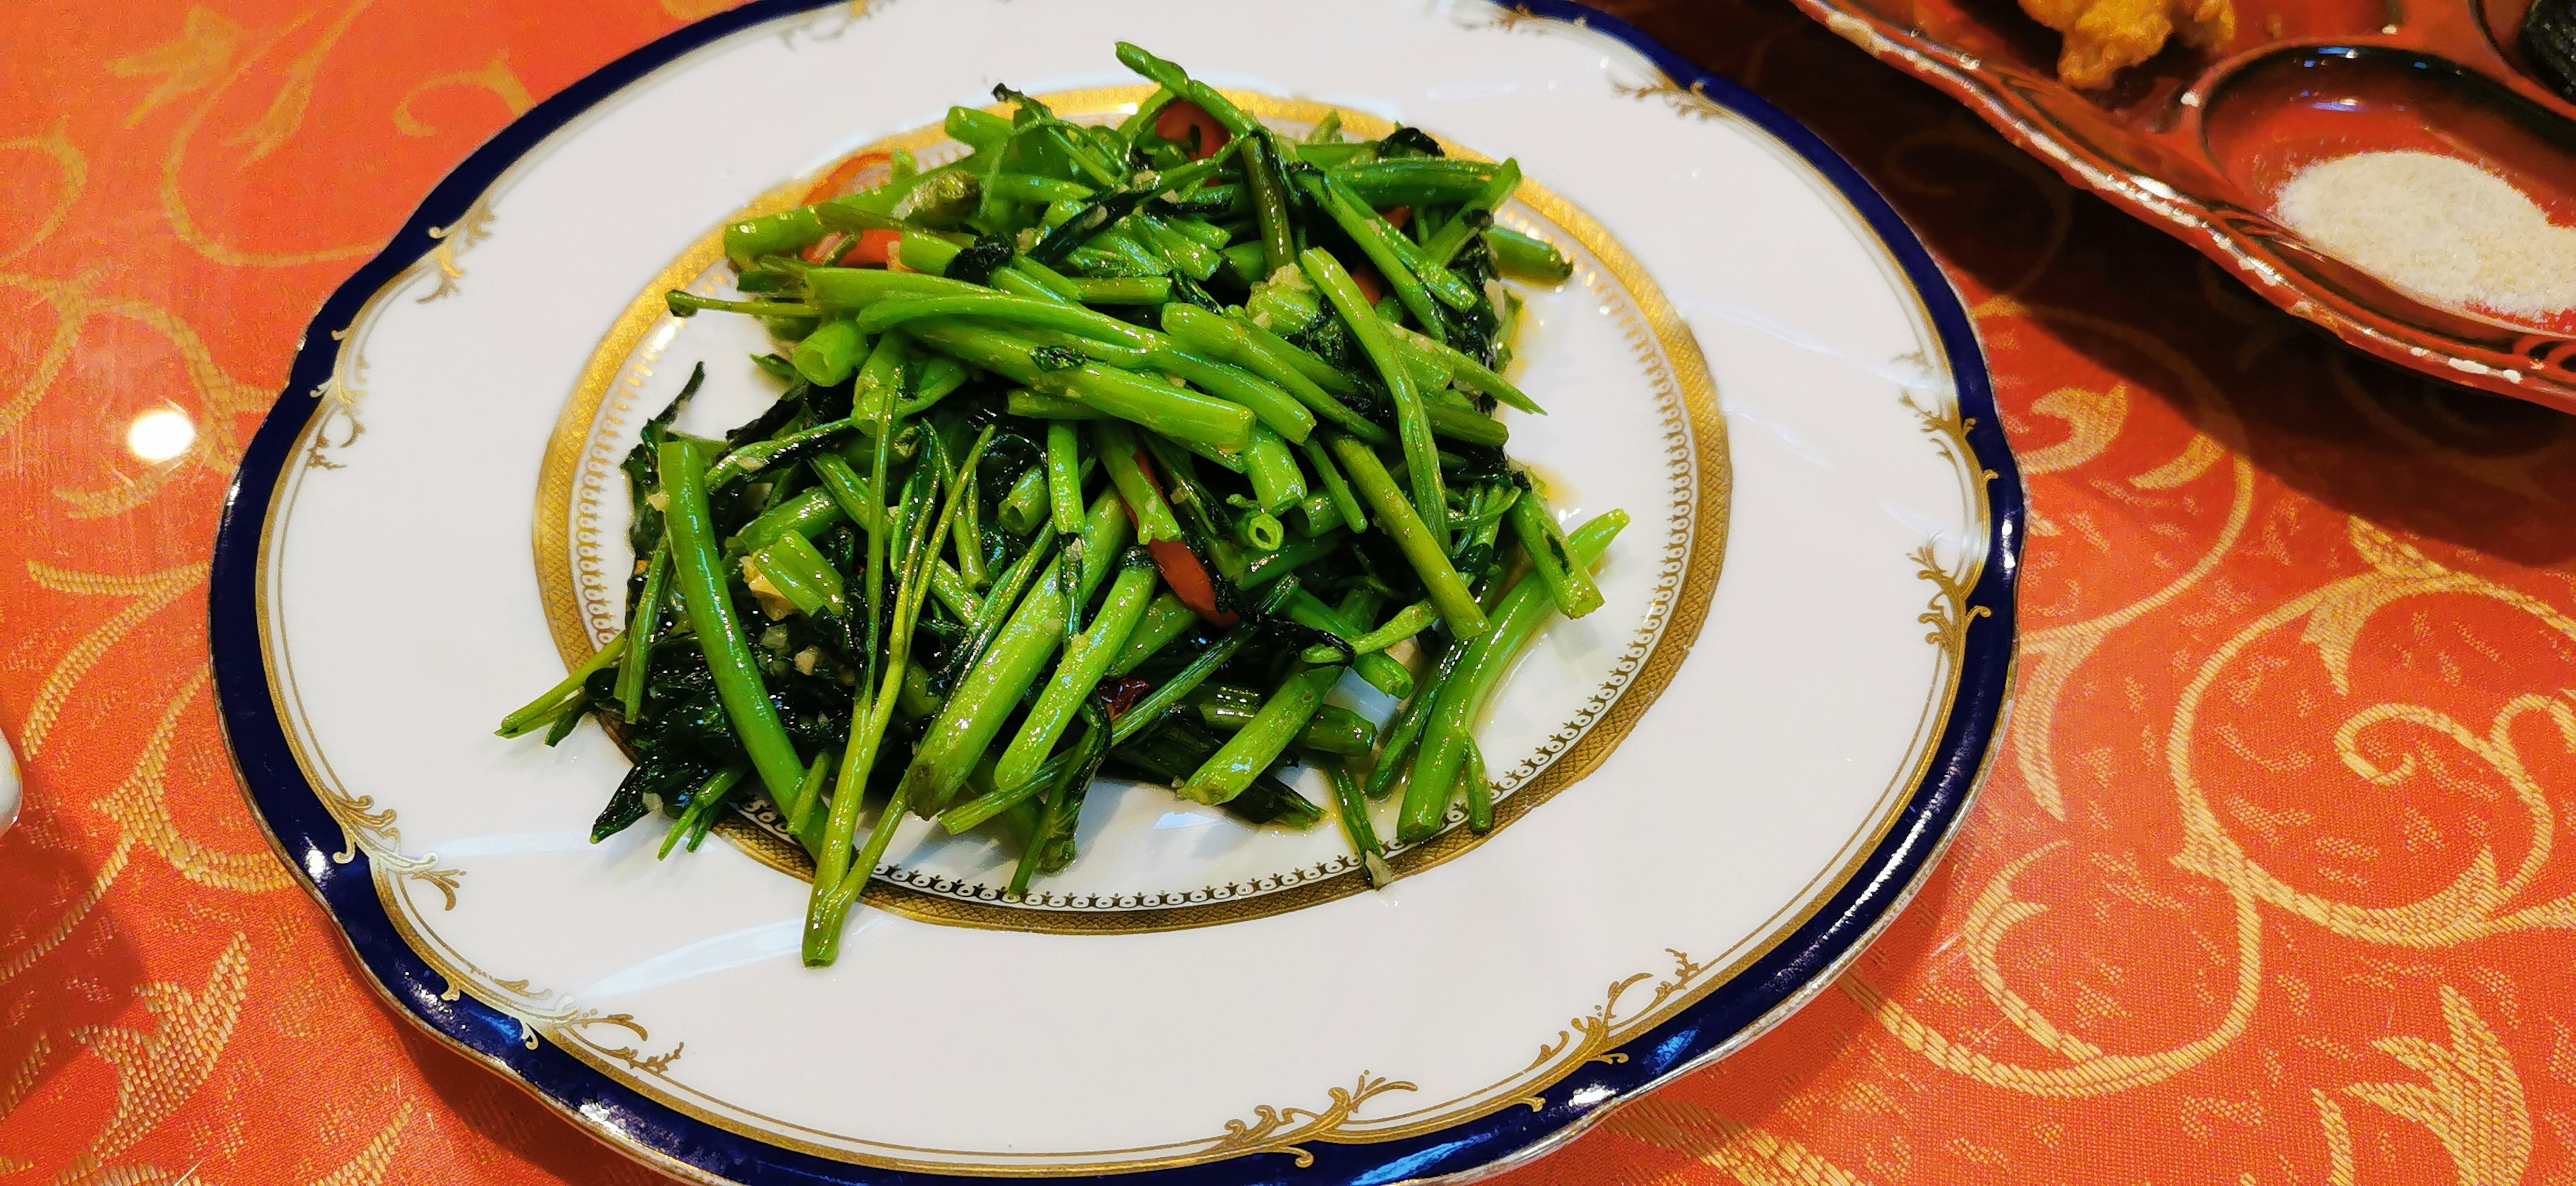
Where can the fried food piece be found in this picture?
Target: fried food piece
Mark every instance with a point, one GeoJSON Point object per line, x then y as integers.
{"type": "Point", "coordinates": [2103, 36]}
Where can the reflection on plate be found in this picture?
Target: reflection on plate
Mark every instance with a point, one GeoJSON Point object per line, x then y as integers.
{"type": "Point", "coordinates": [1767, 763]}
{"type": "Point", "coordinates": [2205, 144]}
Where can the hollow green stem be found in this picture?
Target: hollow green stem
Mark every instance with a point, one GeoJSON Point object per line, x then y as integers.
{"type": "Point", "coordinates": [1377, 670]}
{"type": "Point", "coordinates": [1516, 254]}
{"type": "Point", "coordinates": [1415, 181]}
{"type": "Point", "coordinates": [1479, 792]}
{"type": "Point", "coordinates": [1374, 485]}
{"type": "Point", "coordinates": [1172, 411]}
{"type": "Point", "coordinates": [1497, 190]}
{"type": "Point", "coordinates": [1187, 680]}
{"type": "Point", "coordinates": [1194, 258]}
{"type": "Point", "coordinates": [1246, 754]}
{"type": "Point", "coordinates": [1436, 278]}
{"type": "Point", "coordinates": [800, 812]}
{"type": "Point", "coordinates": [1172, 78]}
{"type": "Point", "coordinates": [1118, 452]}
{"type": "Point", "coordinates": [1024, 505]}
{"type": "Point", "coordinates": [940, 375]}
{"type": "Point", "coordinates": [548, 707]}
{"type": "Point", "coordinates": [1269, 193]}
{"type": "Point", "coordinates": [829, 354]}
{"type": "Point", "coordinates": [1412, 420]}
{"type": "Point", "coordinates": [642, 630]}
{"type": "Point", "coordinates": [1321, 515]}
{"type": "Point", "coordinates": [977, 129]}
{"type": "Point", "coordinates": [807, 513]}
{"type": "Point", "coordinates": [1277, 483]}
{"type": "Point", "coordinates": [703, 802]}
{"type": "Point", "coordinates": [1266, 567]}
{"type": "Point", "coordinates": [760, 455]}
{"type": "Point", "coordinates": [1569, 583]}
{"type": "Point", "coordinates": [774, 234]}
{"type": "Point", "coordinates": [1122, 290]}
{"type": "Point", "coordinates": [796, 571]}
{"type": "Point", "coordinates": [1334, 730]}
{"type": "Point", "coordinates": [1278, 410]}
{"type": "Point", "coordinates": [1064, 476]}
{"type": "Point", "coordinates": [998, 605]}
{"type": "Point", "coordinates": [736, 674]}
{"type": "Point", "coordinates": [1465, 424]}
{"type": "Point", "coordinates": [1050, 844]}
{"type": "Point", "coordinates": [1165, 621]}
{"type": "Point", "coordinates": [1037, 405]}
{"type": "Point", "coordinates": [1024, 187]}
{"type": "Point", "coordinates": [978, 706]}
{"type": "Point", "coordinates": [1260, 531]}
{"type": "Point", "coordinates": [1407, 622]}
{"type": "Point", "coordinates": [1402, 737]}
{"type": "Point", "coordinates": [1323, 374]}
{"type": "Point", "coordinates": [950, 587]}
{"type": "Point", "coordinates": [839, 878]}
{"type": "Point", "coordinates": [1345, 503]}
{"type": "Point", "coordinates": [1469, 373]}
{"type": "Point", "coordinates": [1446, 731]}
{"type": "Point", "coordinates": [872, 707]}
{"type": "Point", "coordinates": [1370, 234]}
{"type": "Point", "coordinates": [1003, 798]}
{"type": "Point", "coordinates": [1239, 342]}
{"type": "Point", "coordinates": [967, 534]}
{"type": "Point", "coordinates": [986, 303]}
{"type": "Point", "coordinates": [1086, 660]}
{"type": "Point", "coordinates": [852, 290]}
{"type": "Point", "coordinates": [846, 489]}
{"type": "Point", "coordinates": [1358, 826]}
{"type": "Point", "coordinates": [686, 304]}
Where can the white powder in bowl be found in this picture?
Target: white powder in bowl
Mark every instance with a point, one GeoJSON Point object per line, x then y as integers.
{"type": "Point", "coordinates": [2438, 227]}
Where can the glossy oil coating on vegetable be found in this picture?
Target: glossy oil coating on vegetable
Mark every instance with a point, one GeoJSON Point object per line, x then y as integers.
{"type": "Point", "coordinates": [1102, 450]}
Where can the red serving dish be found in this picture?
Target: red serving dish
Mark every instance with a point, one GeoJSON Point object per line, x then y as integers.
{"type": "Point", "coordinates": [2201, 144]}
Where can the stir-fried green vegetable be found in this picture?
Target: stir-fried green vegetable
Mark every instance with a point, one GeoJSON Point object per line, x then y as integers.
{"type": "Point", "coordinates": [1103, 450]}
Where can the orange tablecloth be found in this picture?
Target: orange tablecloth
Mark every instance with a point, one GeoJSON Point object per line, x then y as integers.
{"type": "Point", "coordinates": [2263, 890]}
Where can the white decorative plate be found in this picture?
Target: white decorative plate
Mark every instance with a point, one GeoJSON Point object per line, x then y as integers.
{"type": "Point", "coordinates": [1714, 790]}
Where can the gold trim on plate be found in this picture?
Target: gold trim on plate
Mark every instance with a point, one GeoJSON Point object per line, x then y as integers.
{"type": "Point", "coordinates": [584, 602]}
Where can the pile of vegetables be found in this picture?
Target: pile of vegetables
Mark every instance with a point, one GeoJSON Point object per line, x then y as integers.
{"type": "Point", "coordinates": [1103, 450]}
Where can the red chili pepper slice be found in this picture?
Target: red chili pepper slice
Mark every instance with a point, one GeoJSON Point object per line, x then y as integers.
{"type": "Point", "coordinates": [822, 251]}
{"type": "Point", "coordinates": [1371, 285]}
{"type": "Point", "coordinates": [1398, 217]}
{"type": "Point", "coordinates": [1183, 574]}
{"type": "Point", "coordinates": [1178, 119]}
{"type": "Point", "coordinates": [1189, 580]}
{"type": "Point", "coordinates": [837, 182]}
{"type": "Point", "coordinates": [873, 249]}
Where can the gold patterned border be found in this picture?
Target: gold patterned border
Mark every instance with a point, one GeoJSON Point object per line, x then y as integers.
{"type": "Point", "coordinates": [580, 471]}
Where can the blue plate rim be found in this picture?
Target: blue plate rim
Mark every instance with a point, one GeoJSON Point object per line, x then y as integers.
{"type": "Point", "coordinates": [307, 837]}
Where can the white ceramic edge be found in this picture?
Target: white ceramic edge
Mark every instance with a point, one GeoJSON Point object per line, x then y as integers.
{"type": "Point", "coordinates": [9, 786]}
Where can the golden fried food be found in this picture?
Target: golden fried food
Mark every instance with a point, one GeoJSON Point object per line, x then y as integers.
{"type": "Point", "coordinates": [2103, 36]}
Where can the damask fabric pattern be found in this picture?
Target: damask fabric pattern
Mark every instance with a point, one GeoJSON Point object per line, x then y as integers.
{"type": "Point", "coordinates": [2265, 888]}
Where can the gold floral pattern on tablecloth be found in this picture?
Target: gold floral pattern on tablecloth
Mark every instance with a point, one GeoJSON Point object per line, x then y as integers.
{"type": "Point", "coordinates": [2268, 885]}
